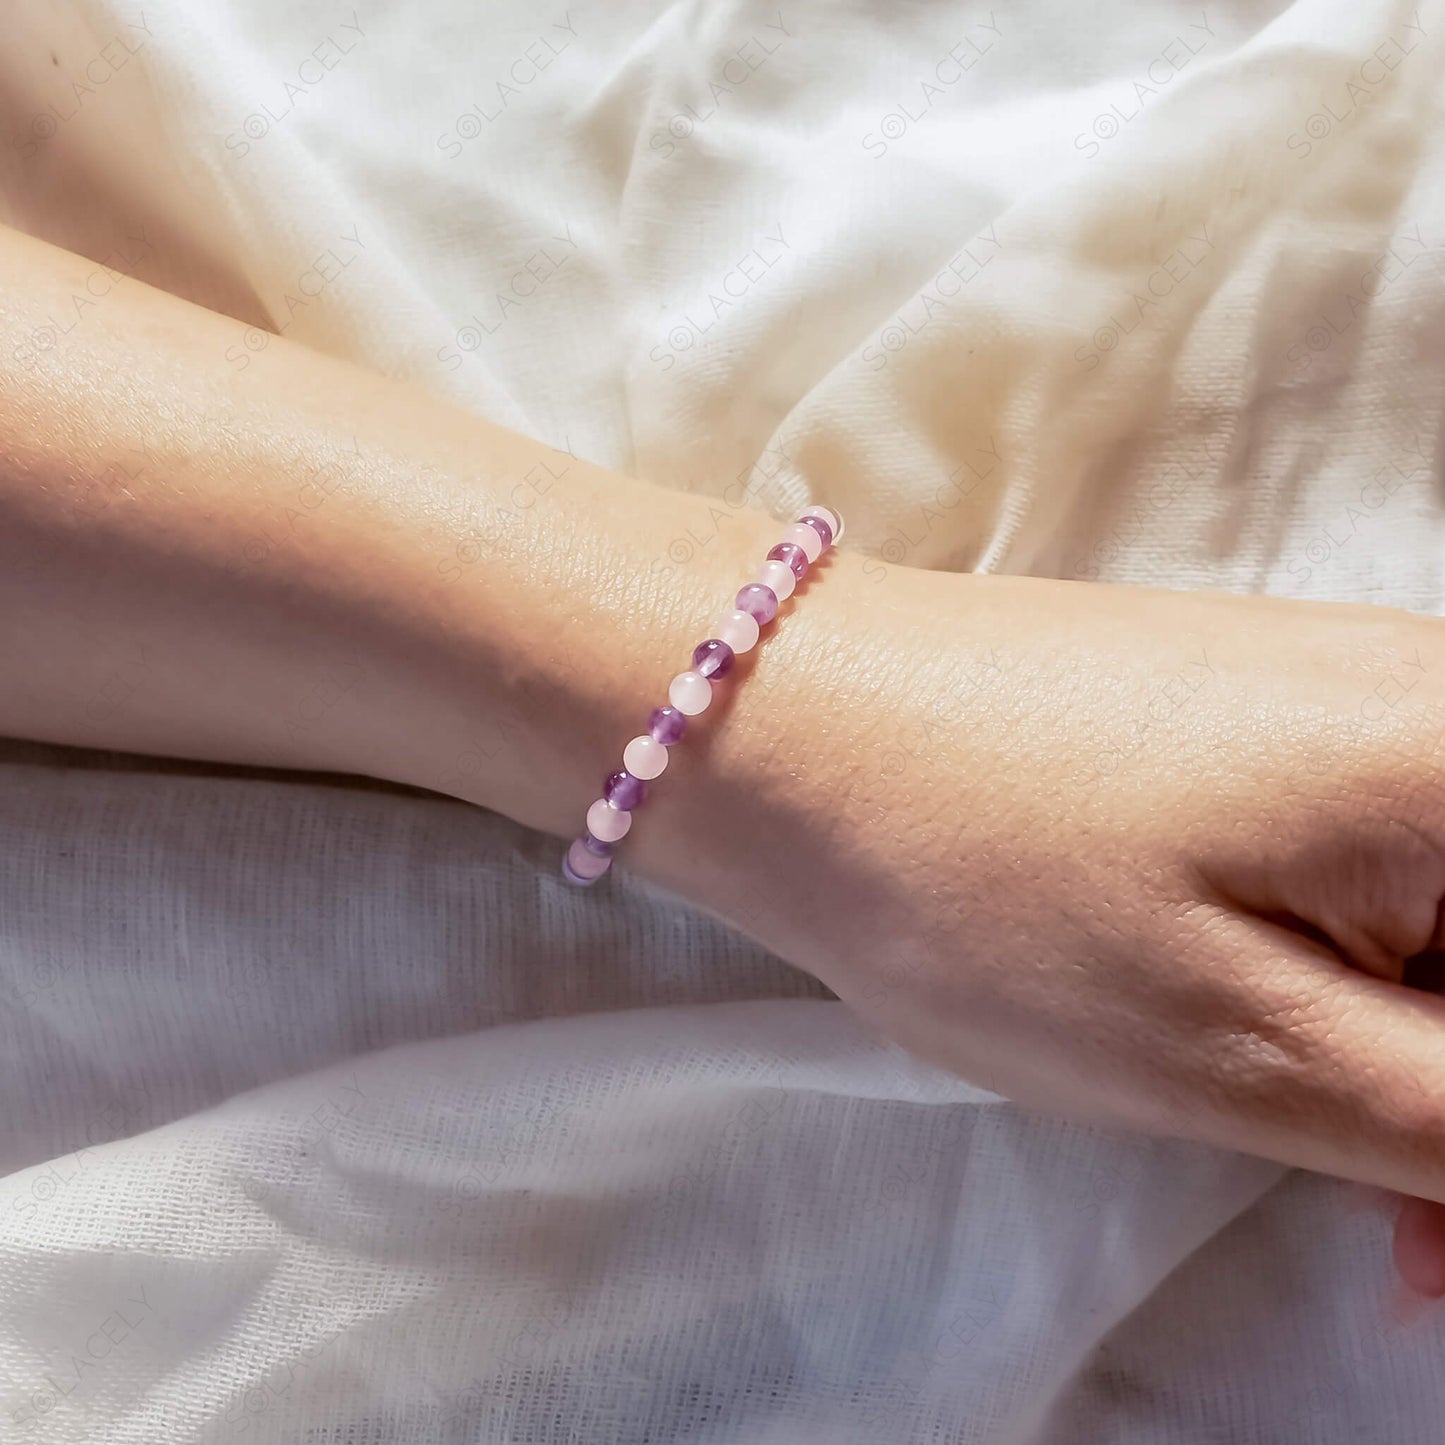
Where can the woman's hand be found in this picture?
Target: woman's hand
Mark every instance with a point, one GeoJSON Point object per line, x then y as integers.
{"type": "Point", "coordinates": [1130, 855]}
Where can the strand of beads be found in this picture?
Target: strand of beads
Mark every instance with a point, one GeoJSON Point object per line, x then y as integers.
{"type": "Point", "coordinates": [736, 631]}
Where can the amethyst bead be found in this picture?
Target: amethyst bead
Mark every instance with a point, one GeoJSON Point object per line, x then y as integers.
{"type": "Point", "coordinates": [582, 865]}
{"type": "Point", "coordinates": [759, 601]}
{"type": "Point", "coordinates": [792, 556]}
{"type": "Point", "coordinates": [624, 791]}
{"type": "Point", "coordinates": [596, 845]}
{"type": "Point", "coordinates": [713, 658]}
{"type": "Point", "coordinates": [667, 725]}
{"type": "Point", "coordinates": [821, 528]}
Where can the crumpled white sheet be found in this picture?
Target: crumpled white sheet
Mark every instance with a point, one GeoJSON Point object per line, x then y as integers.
{"type": "Point", "coordinates": [331, 1115]}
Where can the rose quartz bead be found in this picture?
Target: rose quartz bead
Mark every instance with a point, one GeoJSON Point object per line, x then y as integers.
{"type": "Point", "coordinates": [778, 576]}
{"type": "Point", "coordinates": [824, 531]}
{"type": "Point", "coordinates": [689, 693]}
{"type": "Point", "coordinates": [807, 538]}
{"type": "Point", "coordinates": [606, 822]}
{"type": "Point", "coordinates": [586, 864]}
{"type": "Point", "coordinates": [644, 757]}
{"type": "Point", "coordinates": [832, 518]}
{"type": "Point", "coordinates": [738, 629]}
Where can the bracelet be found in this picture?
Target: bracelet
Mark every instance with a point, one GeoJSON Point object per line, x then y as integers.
{"type": "Point", "coordinates": [645, 757]}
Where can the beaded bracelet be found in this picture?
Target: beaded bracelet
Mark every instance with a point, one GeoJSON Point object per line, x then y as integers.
{"type": "Point", "coordinates": [645, 757]}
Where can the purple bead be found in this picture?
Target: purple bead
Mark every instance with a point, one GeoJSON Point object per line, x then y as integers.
{"type": "Point", "coordinates": [792, 556]}
{"type": "Point", "coordinates": [624, 791]}
{"type": "Point", "coordinates": [582, 880]}
{"type": "Point", "coordinates": [582, 865]}
{"type": "Point", "coordinates": [713, 658]}
{"type": "Point", "coordinates": [821, 528]}
{"type": "Point", "coordinates": [596, 845]}
{"type": "Point", "coordinates": [759, 601]}
{"type": "Point", "coordinates": [667, 725]}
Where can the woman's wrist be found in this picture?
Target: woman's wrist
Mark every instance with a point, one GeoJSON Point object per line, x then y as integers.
{"type": "Point", "coordinates": [773, 771]}
{"type": "Point", "coordinates": [531, 709]}
{"type": "Point", "coordinates": [305, 565]}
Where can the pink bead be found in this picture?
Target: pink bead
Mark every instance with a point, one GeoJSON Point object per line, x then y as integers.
{"type": "Point", "coordinates": [644, 757]}
{"type": "Point", "coordinates": [585, 863]}
{"type": "Point", "coordinates": [806, 538]}
{"type": "Point", "coordinates": [778, 576]}
{"type": "Point", "coordinates": [690, 693]}
{"type": "Point", "coordinates": [738, 629]}
{"type": "Point", "coordinates": [832, 518]}
{"type": "Point", "coordinates": [606, 822]}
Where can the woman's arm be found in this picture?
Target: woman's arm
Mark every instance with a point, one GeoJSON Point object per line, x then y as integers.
{"type": "Point", "coordinates": [303, 564]}
{"type": "Point", "coordinates": [1132, 855]}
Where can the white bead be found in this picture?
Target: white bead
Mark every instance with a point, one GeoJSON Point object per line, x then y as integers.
{"type": "Point", "coordinates": [690, 693]}
{"type": "Point", "coordinates": [806, 537]}
{"type": "Point", "coordinates": [644, 757]}
{"type": "Point", "coordinates": [778, 576]}
{"type": "Point", "coordinates": [607, 822]}
{"type": "Point", "coordinates": [738, 629]}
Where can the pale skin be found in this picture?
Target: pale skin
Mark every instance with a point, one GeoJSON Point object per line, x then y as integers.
{"type": "Point", "coordinates": [1142, 857]}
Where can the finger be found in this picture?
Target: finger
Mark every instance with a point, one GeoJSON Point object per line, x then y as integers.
{"type": "Point", "coordinates": [1420, 1246]}
{"type": "Point", "coordinates": [1370, 886]}
{"type": "Point", "coordinates": [1419, 1243]}
{"type": "Point", "coordinates": [1310, 1062]}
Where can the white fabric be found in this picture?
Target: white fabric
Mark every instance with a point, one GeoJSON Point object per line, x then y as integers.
{"type": "Point", "coordinates": [332, 1116]}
